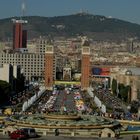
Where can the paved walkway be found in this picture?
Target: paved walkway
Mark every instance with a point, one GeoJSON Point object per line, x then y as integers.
{"type": "Point", "coordinates": [128, 137]}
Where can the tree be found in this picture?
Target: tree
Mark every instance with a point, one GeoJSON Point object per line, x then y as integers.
{"type": "Point", "coordinates": [134, 106]}
{"type": "Point", "coordinates": [123, 92]}
{"type": "Point", "coordinates": [121, 86]}
{"type": "Point", "coordinates": [114, 87]}
{"type": "Point", "coordinates": [20, 83]}
{"type": "Point", "coordinates": [5, 90]}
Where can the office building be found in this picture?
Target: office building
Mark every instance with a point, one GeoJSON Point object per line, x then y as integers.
{"type": "Point", "coordinates": [32, 64]}
{"type": "Point", "coordinates": [17, 35]}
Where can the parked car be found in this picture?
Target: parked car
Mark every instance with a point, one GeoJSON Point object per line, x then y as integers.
{"type": "Point", "coordinates": [18, 135]}
{"type": "Point", "coordinates": [30, 132]}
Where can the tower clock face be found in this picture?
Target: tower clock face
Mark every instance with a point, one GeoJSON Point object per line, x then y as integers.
{"type": "Point", "coordinates": [86, 50]}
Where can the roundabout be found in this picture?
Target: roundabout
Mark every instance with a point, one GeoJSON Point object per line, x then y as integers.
{"type": "Point", "coordinates": [84, 125]}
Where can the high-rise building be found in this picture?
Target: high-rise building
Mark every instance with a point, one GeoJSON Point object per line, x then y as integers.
{"type": "Point", "coordinates": [17, 35]}
{"type": "Point", "coordinates": [24, 39]}
{"type": "Point", "coordinates": [85, 70]}
{"type": "Point", "coordinates": [49, 67]}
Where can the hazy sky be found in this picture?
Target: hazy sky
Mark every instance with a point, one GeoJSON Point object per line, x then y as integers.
{"type": "Point", "coordinates": [123, 9]}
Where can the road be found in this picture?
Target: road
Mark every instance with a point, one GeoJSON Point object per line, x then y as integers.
{"type": "Point", "coordinates": [129, 137]}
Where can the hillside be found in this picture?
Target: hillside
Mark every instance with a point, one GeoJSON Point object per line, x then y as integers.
{"type": "Point", "coordinates": [99, 27]}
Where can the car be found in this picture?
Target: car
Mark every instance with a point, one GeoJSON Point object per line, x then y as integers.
{"type": "Point", "coordinates": [18, 135]}
{"type": "Point", "coordinates": [30, 132]}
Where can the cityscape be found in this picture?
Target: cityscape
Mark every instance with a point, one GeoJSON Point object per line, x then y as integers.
{"type": "Point", "coordinates": [69, 77]}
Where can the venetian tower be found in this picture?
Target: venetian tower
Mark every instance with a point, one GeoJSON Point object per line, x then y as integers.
{"type": "Point", "coordinates": [85, 67]}
{"type": "Point", "coordinates": [49, 67]}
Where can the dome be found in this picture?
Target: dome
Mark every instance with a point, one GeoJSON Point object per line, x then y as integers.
{"type": "Point", "coordinates": [128, 72]}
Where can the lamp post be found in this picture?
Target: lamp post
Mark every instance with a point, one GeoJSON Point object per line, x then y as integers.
{"type": "Point", "coordinates": [128, 108]}
{"type": "Point", "coordinates": [139, 113]}
{"type": "Point", "coordinates": [105, 82]}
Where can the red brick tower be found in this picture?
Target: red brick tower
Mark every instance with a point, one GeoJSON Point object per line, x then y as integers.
{"type": "Point", "coordinates": [49, 67]}
{"type": "Point", "coordinates": [85, 70]}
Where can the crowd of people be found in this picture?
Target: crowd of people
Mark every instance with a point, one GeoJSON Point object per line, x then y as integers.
{"type": "Point", "coordinates": [110, 101]}
{"type": "Point", "coordinates": [117, 111]}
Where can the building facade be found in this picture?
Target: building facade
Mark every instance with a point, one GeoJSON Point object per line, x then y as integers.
{"type": "Point", "coordinates": [41, 45]}
{"type": "Point", "coordinates": [32, 64]}
{"type": "Point", "coordinates": [6, 73]}
{"type": "Point", "coordinates": [128, 77]}
{"type": "Point", "coordinates": [19, 35]}
{"type": "Point", "coordinates": [17, 71]}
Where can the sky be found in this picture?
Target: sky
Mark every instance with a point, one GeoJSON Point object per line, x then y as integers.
{"type": "Point", "coordinates": [128, 10]}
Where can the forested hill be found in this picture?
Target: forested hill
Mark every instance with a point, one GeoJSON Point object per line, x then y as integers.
{"type": "Point", "coordinates": [98, 27]}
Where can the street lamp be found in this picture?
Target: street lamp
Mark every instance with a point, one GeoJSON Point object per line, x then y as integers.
{"type": "Point", "coordinates": [128, 108]}
{"type": "Point", "coordinates": [139, 113]}
{"type": "Point", "coordinates": [106, 83]}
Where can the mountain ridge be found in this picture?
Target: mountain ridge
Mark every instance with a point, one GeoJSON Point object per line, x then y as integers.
{"type": "Point", "coordinates": [96, 26]}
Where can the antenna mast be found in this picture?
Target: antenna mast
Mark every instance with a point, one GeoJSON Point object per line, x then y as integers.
{"type": "Point", "coordinates": [23, 8]}
{"type": "Point", "coordinates": [22, 21]}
